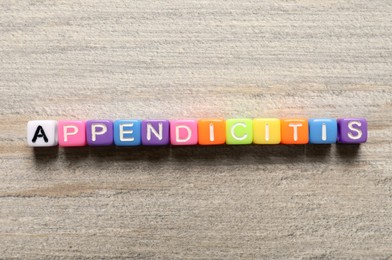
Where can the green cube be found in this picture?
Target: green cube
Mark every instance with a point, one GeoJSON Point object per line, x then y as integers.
{"type": "Point", "coordinates": [239, 131]}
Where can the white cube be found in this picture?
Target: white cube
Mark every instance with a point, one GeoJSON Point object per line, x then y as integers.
{"type": "Point", "coordinates": [42, 133]}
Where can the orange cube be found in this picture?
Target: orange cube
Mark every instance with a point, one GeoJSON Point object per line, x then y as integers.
{"type": "Point", "coordinates": [294, 131]}
{"type": "Point", "coordinates": [212, 131]}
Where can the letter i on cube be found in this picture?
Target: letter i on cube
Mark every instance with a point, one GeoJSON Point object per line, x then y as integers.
{"type": "Point", "coordinates": [212, 131]}
{"type": "Point", "coordinates": [322, 130]}
{"type": "Point", "coordinates": [266, 131]}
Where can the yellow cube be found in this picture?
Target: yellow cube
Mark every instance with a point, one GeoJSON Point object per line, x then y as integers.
{"type": "Point", "coordinates": [266, 131]}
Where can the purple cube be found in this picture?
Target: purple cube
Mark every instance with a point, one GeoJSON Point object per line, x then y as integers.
{"type": "Point", "coordinates": [352, 130]}
{"type": "Point", "coordinates": [99, 132]}
{"type": "Point", "coordinates": [155, 132]}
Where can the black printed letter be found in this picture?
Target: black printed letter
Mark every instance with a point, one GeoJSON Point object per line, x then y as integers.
{"type": "Point", "coordinates": [39, 133]}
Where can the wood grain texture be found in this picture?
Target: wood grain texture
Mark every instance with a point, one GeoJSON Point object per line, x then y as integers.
{"type": "Point", "coordinates": [191, 59]}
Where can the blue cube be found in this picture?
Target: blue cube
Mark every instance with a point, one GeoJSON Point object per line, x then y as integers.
{"type": "Point", "coordinates": [127, 132]}
{"type": "Point", "coordinates": [322, 130]}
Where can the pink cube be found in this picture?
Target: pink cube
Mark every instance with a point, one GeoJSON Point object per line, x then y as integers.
{"type": "Point", "coordinates": [72, 133]}
{"type": "Point", "coordinates": [183, 132]}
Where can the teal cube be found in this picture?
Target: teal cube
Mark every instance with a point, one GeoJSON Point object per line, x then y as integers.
{"type": "Point", "coordinates": [127, 132]}
{"type": "Point", "coordinates": [322, 130]}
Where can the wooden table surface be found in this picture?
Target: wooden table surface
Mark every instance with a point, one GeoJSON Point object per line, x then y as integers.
{"type": "Point", "coordinates": [193, 59]}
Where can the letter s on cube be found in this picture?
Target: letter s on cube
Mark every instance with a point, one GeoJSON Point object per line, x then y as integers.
{"type": "Point", "coordinates": [72, 133]}
{"type": "Point", "coordinates": [352, 130]}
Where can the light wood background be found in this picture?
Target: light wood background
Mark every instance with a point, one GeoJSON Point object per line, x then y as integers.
{"type": "Point", "coordinates": [192, 59]}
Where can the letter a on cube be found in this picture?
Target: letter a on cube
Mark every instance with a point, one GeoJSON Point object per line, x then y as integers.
{"type": "Point", "coordinates": [42, 133]}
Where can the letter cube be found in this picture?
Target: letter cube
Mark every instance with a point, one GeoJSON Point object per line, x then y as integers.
{"type": "Point", "coordinates": [352, 130]}
{"type": "Point", "coordinates": [212, 131]}
{"type": "Point", "coordinates": [266, 131]}
{"type": "Point", "coordinates": [71, 133]}
{"type": "Point", "coordinates": [183, 132]}
{"type": "Point", "coordinates": [99, 132]}
{"type": "Point", "coordinates": [239, 131]}
{"type": "Point", "coordinates": [322, 130]}
{"type": "Point", "coordinates": [155, 132]}
{"type": "Point", "coordinates": [127, 132]}
{"type": "Point", "coordinates": [42, 133]}
{"type": "Point", "coordinates": [294, 131]}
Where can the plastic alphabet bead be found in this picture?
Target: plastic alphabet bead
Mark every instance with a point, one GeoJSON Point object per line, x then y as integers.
{"type": "Point", "coordinates": [155, 132]}
{"type": "Point", "coordinates": [183, 132]}
{"type": "Point", "coordinates": [42, 133]}
{"type": "Point", "coordinates": [266, 131]}
{"type": "Point", "coordinates": [71, 133]}
{"type": "Point", "coordinates": [322, 131]}
{"type": "Point", "coordinates": [127, 132]}
{"type": "Point", "coordinates": [212, 131]}
{"type": "Point", "coordinates": [294, 131]}
{"type": "Point", "coordinates": [239, 131]}
{"type": "Point", "coordinates": [99, 132]}
{"type": "Point", "coordinates": [205, 131]}
{"type": "Point", "coordinates": [352, 130]}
